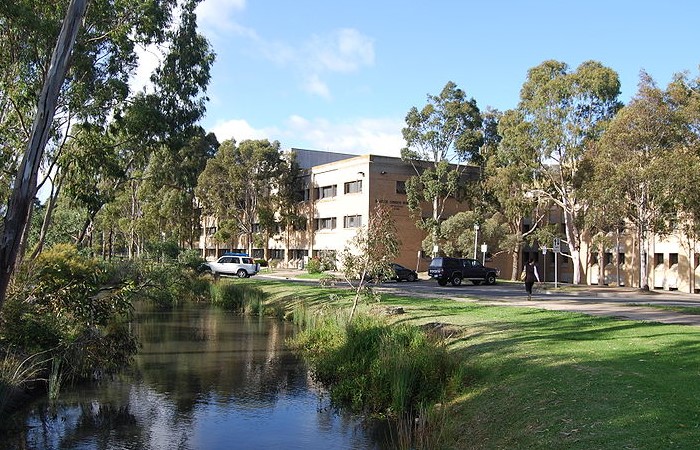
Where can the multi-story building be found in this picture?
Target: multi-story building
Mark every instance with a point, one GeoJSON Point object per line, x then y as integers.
{"type": "Point", "coordinates": [339, 191]}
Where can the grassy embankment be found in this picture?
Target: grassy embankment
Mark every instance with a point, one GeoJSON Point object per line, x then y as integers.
{"type": "Point", "coordinates": [546, 379]}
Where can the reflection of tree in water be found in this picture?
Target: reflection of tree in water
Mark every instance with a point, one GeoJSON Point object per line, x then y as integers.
{"type": "Point", "coordinates": [207, 355]}
{"type": "Point", "coordinates": [194, 363]}
{"type": "Point", "coordinates": [103, 425]}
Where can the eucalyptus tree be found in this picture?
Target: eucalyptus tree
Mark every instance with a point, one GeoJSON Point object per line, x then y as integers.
{"type": "Point", "coordinates": [236, 182]}
{"type": "Point", "coordinates": [566, 112]}
{"type": "Point", "coordinates": [95, 87]}
{"type": "Point", "coordinates": [648, 163]}
{"type": "Point", "coordinates": [441, 139]}
{"type": "Point", "coordinates": [510, 177]}
{"type": "Point", "coordinates": [167, 193]}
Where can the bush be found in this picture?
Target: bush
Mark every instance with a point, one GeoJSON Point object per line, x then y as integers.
{"type": "Point", "coordinates": [374, 367]}
{"type": "Point", "coordinates": [262, 262]}
{"type": "Point", "coordinates": [191, 259]}
{"type": "Point", "coordinates": [314, 266]}
{"type": "Point", "coordinates": [238, 298]}
{"type": "Point", "coordinates": [70, 308]}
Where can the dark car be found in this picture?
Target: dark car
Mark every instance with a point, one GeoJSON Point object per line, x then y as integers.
{"type": "Point", "coordinates": [454, 270]}
{"type": "Point", "coordinates": [403, 273]}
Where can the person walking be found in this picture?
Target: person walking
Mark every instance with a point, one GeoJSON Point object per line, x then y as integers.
{"type": "Point", "coordinates": [531, 276]}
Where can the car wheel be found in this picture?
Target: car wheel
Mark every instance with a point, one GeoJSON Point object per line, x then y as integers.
{"type": "Point", "coordinates": [442, 282]}
{"type": "Point", "coordinates": [242, 273]}
{"type": "Point", "coordinates": [476, 282]}
{"type": "Point", "coordinates": [411, 277]}
{"type": "Point", "coordinates": [490, 279]}
{"type": "Point", "coordinates": [456, 280]}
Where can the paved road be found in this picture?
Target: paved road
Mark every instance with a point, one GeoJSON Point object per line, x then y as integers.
{"type": "Point", "coordinates": [620, 302]}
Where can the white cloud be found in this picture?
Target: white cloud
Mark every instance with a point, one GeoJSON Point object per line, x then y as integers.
{"type": "Point", "coordinates": [240, 130]}
{"type": "Point", "coordinates": [149, 59]}
{"type": "Point", "coordinates": [344, 50]}
{"type": "Point", "coordinates": [359, 136]}
{"type": "Point", "coordinates": [314, 85]}
{"type": "Point", "coordinates": [216, 16]}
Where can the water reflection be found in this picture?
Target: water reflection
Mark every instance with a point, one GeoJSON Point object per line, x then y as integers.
{"type": "Point", "coordinates": [204, 379]}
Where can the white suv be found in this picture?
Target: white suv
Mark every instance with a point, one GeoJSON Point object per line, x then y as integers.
{"type": "Point", "coordinates": [239, 264]}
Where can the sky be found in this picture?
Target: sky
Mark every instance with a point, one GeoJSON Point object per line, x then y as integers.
{"type": "Point", "coordinates": [341, 75]}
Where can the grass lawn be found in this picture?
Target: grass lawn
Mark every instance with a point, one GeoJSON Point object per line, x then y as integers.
{"type": "Point", "coordinates": [547, 379]}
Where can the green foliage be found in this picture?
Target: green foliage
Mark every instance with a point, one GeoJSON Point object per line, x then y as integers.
{"type": "Point", "coordinates": [242, 181]}
{"type": "Point", "coordinates": [373, 367]}
{"type": "Point", "coordinates": [314, 265]}
{"type": "Point", "coordinates": [238, 297]}
{"type": "Point", "coordinates": [190, 259]}
{"type": "Point", "coordinates": [262, 262]}
{"type": "Point", "coordinates": [72, 309]}
{"type": "Point", "coordinates": [440, 139]}
{"type": "Point", "coordinates": [167, 284]}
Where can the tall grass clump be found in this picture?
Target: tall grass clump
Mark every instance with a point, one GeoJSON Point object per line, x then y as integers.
{"type": "Point", "coordinates": [371, 366]}
{"type": "Point", "coordinates": [17, 373]}
{"type": "Point", "coordinates": [241, 298]}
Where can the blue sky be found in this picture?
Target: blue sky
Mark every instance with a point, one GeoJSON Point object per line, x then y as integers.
{"type": "Point", "coordinates": [340, 75]}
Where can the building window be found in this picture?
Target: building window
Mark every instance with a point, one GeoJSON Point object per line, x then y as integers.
{"type": "Point", "coordinates": [299, 224]}
{"type": "Point", "coordinates": [276, 253]}
{"type": "Point", "coordinates": [257, 253]}
{"type": "Point", "coordinates": [211, 231]}
{"type": "Point", "coordinates": [327, 191]}
{"type": "Point", "coordinates": [352, 221]}
{"type": "Point", "coordinates": [298, 253]}
{"type": "Point", "coordinates": [326, 223]}
{"type": "Point", "coordinates": [353, 187]}
{"type": "Point", "coordinates": [658, 259]}
{"type": "Point", "coordinates": [401, 187]}
{"type": "Point", "coordinates": [255, 228]}
{"type": "Point", "coordinates": [621, 258]}
{"type": "Point", "coordinates": [304, 195]}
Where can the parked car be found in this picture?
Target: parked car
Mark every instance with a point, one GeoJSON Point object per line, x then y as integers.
{"type": "Point", "coordinates": [454, 270]}
{"type": "Point", "coordinates": [239, 264]}
{"type": "Point", "coordinates": [403, 273]}
{"type": "Point", "coordinates": [399, 273]}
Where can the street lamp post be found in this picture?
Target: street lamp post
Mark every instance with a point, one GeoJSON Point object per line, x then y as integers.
{"type": "Point", "coordinates": [476, 237]}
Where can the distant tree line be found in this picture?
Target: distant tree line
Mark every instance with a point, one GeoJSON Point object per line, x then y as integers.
{"type": "Point", "coordinates": [131, 173]}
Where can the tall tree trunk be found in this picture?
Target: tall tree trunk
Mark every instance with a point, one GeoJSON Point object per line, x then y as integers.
{"type": "Point", "coordinates": [25, 182]}
{"type": "Point", "coordinates": [48, 216]}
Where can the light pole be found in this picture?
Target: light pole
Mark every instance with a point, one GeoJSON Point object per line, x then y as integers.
{"type": "Point", "coordinates": [476, 237]}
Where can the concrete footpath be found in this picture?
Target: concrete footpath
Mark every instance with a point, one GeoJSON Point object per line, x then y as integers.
{"type": "Point", "coordinates": [619, 302]}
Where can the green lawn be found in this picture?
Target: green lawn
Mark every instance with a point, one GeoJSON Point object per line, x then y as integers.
{"type": "Point", "coordinates": [547, 379]}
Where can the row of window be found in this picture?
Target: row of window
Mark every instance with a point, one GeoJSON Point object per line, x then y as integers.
{"type": "Point", "coordinates": [330, 223]}
{"type": "Point", "coordinates": [351, 187]}
{"type": "Point", "coordinates": [324, 223]}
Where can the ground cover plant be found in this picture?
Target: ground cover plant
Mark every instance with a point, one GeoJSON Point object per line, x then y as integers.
{"type": "Point", "coordinates": [548, 379]}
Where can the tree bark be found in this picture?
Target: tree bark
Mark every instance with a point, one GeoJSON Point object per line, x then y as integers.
{"type": "Point", "coordinates": [25, 182]}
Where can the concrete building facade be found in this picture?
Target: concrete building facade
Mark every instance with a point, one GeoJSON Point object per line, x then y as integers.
{"type": "Point", "coordinates": [339, 191]}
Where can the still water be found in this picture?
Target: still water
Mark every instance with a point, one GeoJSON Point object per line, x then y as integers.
{"type": "Point", "coordinates": [204, 379]}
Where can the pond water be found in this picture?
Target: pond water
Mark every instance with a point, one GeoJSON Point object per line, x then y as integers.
{"type": "Point", "coordinates": [204, 379]}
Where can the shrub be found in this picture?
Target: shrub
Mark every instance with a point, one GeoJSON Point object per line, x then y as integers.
{"type": "Point", "coordinates": [375, 367]}
{"type": "Point", "coordinates": [314, 266]}
{"type": "Point", "coordinates": [238, 297]}
{"type": "Point", "coordinates": [66, 305]}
